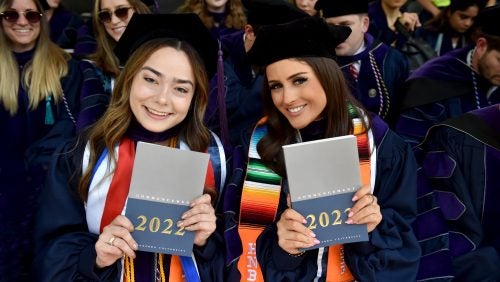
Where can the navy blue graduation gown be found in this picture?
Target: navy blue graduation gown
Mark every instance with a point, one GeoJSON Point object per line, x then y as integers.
{"type": "Point", "coordinates": [442, 88]}
{"type": "Point", "coordinates": [458, 198]}
{"type": "Point", "coordinates": [64, 26]}
{"type": "Point", "coordinates": [392, 253]}
{"type": "Point", "coordinates": [393, 70]}
{"type": "Point", "coordinates": [27, 147]}
{"type": "Point", "coordinates": [242, 92]}
{"type": "Point", "coordinates": [65, 249]}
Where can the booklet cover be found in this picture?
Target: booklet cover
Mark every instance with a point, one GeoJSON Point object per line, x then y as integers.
{"type": "Point", "coordinates": [323, 176]}
{"type": "Point", "coordinates": [164, 181]}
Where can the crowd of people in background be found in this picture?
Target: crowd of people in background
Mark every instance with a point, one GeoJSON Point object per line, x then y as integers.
{"type": "Point", "coordinates": [415, 81]}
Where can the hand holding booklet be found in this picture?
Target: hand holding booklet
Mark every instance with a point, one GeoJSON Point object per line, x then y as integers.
{"type": "Point", "coordinates": [323, 176]}
{"type": "Point", "coordinates": [164, 181]}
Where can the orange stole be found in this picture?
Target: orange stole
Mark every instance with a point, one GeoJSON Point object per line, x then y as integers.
{"type": "Point", "coordinates": [337, 270]}
{"type": "Point", "coordinates": [117, 196]}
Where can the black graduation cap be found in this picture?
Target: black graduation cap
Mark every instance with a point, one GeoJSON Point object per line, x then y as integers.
{"type": "Point", "coordinates": [266, 12]}
{"type": "Point", "coordinates": [332, 8]}
{"type": "Point", "coordinates": [185, 26]}
{"type": "Point", "coordinates": [307, 37]}
{"type": "Point", "coordinates": [487, 20]}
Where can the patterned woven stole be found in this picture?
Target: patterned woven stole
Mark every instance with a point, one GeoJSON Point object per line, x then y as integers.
{"type": "Point", "coordinates": [164, 266]}
{"type": "Point", "coordinates": [259, 204]}
{"type": "Point", "coordinates": [337, 269]}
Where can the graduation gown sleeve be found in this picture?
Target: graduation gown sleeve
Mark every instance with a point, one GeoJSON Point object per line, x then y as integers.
{"type": "Point", "coordinates": [65, 249]}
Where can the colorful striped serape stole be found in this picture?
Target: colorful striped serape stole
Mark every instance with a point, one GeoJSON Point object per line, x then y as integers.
{"type": "Point", "coordinates": [258, 208]}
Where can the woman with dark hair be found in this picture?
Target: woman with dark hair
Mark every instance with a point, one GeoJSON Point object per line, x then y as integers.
{"type": "Point", "coordinates": [451, 29]}
{"type": "Point", "coordinates": [160, 97]}
{"type": "Point", "coordinates": [306, 98]}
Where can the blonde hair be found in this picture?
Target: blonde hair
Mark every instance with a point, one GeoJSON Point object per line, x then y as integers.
{"type": "Point", "coordinates": [103, 57]}
{"type": "Point", "coordinates": [42, 74]}
{"type": "Point", "coordinates": [235, 15]}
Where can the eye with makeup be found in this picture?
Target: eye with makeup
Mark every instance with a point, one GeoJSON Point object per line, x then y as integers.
{"type": "Point", "coordinates": [182, 90]}
{"type": "Point", "coordinates": [299, 80]}
{"type": "Point", "coordinates": [275, 86]}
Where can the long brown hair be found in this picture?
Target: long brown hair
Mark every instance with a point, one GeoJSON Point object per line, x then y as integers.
{"type": "Point", "coordinates": [111, 128]}
{"type": "Point", "coordinates": [235, 15]}
{"type": "Point", "coordinates": [338, 121]}
{"type": "Point", "coordinates": [41, 76]}
{"type": "Point", "coordinates": [104, 57]}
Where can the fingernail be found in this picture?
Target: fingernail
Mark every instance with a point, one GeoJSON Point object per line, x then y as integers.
{"type": "Point", "coordinates": [316, 241]}
{"type": "Point", "coordinates": [134, 246]}
{"type": "Point", "coordinates": [350, 214]}
{"type": "Point", "coordinates": [179, 223]}
{"type": "Point", "coordinates": [354, 198]}
{"type": "Point", "coordinates": [312, 235]}
{"type": "Point", "coordinates": [349, 221]}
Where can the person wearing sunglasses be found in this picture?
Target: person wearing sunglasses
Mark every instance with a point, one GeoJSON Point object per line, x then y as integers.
{"type": "Point", "coordinates": [45, 96]}
{"type": "Point", "coordinates": [109, 20]}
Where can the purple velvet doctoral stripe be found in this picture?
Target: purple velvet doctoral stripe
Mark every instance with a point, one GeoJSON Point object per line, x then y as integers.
{"type": "Point", "coordinates": [450, 204]}
{"type": "Point", "coordinates": [379, 129]}
{"type": "Point", "coordinates": [448, 67]}
{"type": "Point", "coordinates": [437, 265]}
{"type": "Point", "coordinates": [460, 244]}
{"type": "Point", "coordinates": [438, 165]}
{"type": "Point", "coordinates": [144, 266]}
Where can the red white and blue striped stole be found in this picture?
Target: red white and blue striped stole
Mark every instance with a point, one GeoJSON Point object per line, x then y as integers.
{"type": "Point", "coordinates": [260, 200]}
{"type": "Point", "coordinates": [107, 199]}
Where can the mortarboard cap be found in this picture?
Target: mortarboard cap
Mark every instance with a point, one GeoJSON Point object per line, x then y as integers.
{"type": "Point", "coordinates": [185, 27]}
{"type": "Point", "coordinates": [267, 12]}
{"type": "Point", "coordinates": [332, 8]}
{"type": "Point", "coordinates": [487, 20]}
{"type": "Point", "coordinates": [307, 37]}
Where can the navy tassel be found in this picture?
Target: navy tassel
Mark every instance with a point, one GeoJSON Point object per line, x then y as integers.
{"type": "Point", "coordinates": [49, 116]}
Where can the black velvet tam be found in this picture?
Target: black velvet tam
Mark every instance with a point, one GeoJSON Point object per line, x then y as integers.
{"type": "Point", "coordinates": [185, 27]}
{"type": "Point", "coordinates": [267, 12]}
{"type": "Point", "coordinates": [307, 37]}
{"type": "Point", "coordinates": [488, 20]}
{"type": "Point", "coordinates": [332, 8]}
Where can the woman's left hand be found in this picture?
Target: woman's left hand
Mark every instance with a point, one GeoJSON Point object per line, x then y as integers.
{"type": "Point", "coordinates": [365, 209]}
{"type": "Point", "coordinates": [200, 219]}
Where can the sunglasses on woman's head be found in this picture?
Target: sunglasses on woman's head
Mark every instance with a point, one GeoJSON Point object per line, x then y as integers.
{"type": "Point", "coordinates": [12, 16]}
{"type": "Point", "coordinates": [121, 13]}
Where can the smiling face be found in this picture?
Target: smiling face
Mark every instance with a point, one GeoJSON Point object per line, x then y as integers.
{"type": "Point", "coordinates": [296, 91]}
{"type": "Point", "coordinates": [22, 34]}
{"type": "Point", "coordinates": [116, 26]}
{"type": "Point", "coordinates": [162, 90]}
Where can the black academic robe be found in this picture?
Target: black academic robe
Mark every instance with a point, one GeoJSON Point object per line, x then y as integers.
{"type": "Point", "coordinates": [392, 252]}
{"type": "Point", "coordinates": [65, 249]}
{"type": "Point", "coordinates": [442, 88]}
{"type": "Point", "coordinates": [458, 198]}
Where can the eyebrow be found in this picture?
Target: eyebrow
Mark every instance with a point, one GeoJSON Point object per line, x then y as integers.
{"type": "Point", "coordinates": [177, 80]}
{"type": "Point", "coordinates": [291, 76]}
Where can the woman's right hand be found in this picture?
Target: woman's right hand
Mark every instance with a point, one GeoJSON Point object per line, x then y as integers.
{"type": "Point", "coordinates": [115, 241]}
{"type": "Point", "coordinates": [293, 234]}
{"type": "Point", "coordinates": [410, 21]}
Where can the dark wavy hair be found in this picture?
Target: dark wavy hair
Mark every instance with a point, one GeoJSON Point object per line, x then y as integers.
{"type": "Point", "coordinates": [338, 121]}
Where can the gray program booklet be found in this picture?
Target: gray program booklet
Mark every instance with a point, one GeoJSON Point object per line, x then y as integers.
{"type": "Point", "coordinates": [164, 181]}
{"type": "Point", "coordinates": [323, 176]}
